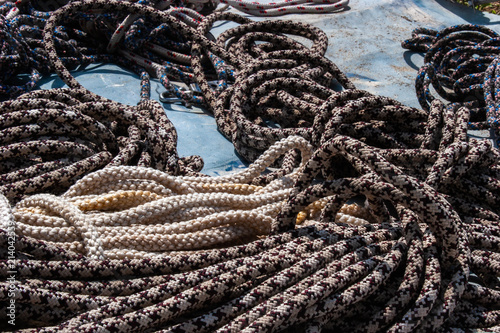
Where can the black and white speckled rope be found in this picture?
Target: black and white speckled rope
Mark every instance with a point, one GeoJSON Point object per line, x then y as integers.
{"type": "Point", "coordinates": [320, 274]}
{"type": "Point", "coordinates": [283, 88]}
{"type": "Point", "coordinates": [51, 138]}
{"type": "Point", "coordinates": [407, 273]}
{"type": "Point", "coordinates": [460, 64]}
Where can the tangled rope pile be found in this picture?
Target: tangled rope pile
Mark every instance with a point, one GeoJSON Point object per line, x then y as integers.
{"type": "Point", "coordinates": [460, 63]}
{"type": "Point", "coordinates": [118, 252]}
{"type": "Point", "coordinates": [129, 41]}
{"type": "Point", "coordinates": [283, 88]}
{"type": "Point", "coordinates": [409, 271]}
{"type": "Point", "coordinates": [50, 138]}
{"type": "Point", "coordinates": [140, 212]}
{"type": "Point", "coordinates": [42, 174]}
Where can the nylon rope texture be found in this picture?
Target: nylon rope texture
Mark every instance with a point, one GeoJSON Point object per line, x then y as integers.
{"type": "Point", "coordinates": [385, 219]}
{"type": "Point", "coordinates": [461, 65]}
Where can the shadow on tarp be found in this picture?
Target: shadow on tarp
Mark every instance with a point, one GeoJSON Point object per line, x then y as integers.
{"type": "Point", "coordinates": [364, 42]}
{"type": "Point", "coordinates": [469, 14]}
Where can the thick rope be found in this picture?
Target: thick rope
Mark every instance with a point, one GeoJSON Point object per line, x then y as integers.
{"type": "Point", "coordinates": [420, 252]}
{"type": "Point", "coordinates": [52, 138]}
{"type": "Point", "coordinates": [326, 273]}
{"type": "Point", "coordinates": [460, 64]}
{"type": "Point", "coordinates": [147, 212]}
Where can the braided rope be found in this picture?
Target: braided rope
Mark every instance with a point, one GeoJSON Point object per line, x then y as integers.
{"type": "Point", "coordinates": [22, 50]}
{"type": "Point", "coordinates": [149, 212]}
{"type": "Point", "coordinates": [52, 138]}
{"type": "Point", "coordinates": [162, 50]}
{"type": "Point", "coordinates": [423, 257]}
{"type": "Point", "coordinates": [460, 64]}
{"type": "Point", "coordinates": [308, 266]}
{"type": "Point", "coordinates": [287, 7]}
{"type": "Point", "coordinates": [142, 45]}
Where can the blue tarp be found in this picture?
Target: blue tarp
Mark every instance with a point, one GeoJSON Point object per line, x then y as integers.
{"type": "Point", "coordinates": [364, 41]}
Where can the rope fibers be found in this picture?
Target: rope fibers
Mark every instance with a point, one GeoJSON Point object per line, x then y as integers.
{"type": "Point", "coordinates": [379, 217]}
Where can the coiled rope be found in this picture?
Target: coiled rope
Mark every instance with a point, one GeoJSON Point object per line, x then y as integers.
{"type": "Point", "coordinates": [22, 52]}
{"type": "Point", "coordinates": [408, 272]}
{"type": "Point", "coordinates": [51, 138]}
{"type": "Point", "coordinates": [127, 40]}
{"type": "Point", "coordinates": [287, 7]}
{"type": "Point", "coordinates": [140, 212]}
{"type": "Point", "coordinates": [425, 258]}
{"type": "Point", "coordinates": [460, 64]}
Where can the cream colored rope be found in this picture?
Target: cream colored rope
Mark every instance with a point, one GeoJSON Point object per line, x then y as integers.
{"type": "Point", "coordinates": [138, 212]}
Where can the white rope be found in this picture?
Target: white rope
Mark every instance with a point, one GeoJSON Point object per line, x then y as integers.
{"type": "Point", "coordinates": [287, 7]}
{"type": "Point", "coordinates": [147, 211]}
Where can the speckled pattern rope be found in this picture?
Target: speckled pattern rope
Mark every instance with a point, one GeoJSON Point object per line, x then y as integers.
{"type": "Point", "coordinates": [22, 51]}
{"type": "Point", "coordinates": [460, 64]}
{"type": "Point", "coordinates": [425, 259]}
{"type": "Point", "coordinates": [148, 40]}
{"type": "Point", "coordinates": [283, 88]}
{"type": "Point", "coordinates": [409, 272]}
{"type": "Point", "coordinates": [50, 138]}
{"type": "Point", "coordinates": [128, 41]}
{"type": "Point", "coordinates": [287, 6]}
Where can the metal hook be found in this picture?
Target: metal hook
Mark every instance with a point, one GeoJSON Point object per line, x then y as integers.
{"type": "Point", "coordinates": [166, 97]}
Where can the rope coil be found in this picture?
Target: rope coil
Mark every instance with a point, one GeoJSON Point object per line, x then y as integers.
{"type": "Point", "coordinates": [116, 205]}
{"type": "Point", "coordinates": [52, 138]}
{"type": "Point", "coordinates": [460, 64]}
{"type": "Point", "coordinates": [422, 256]}
{"type": "Point", "coordinates": [430, 247]}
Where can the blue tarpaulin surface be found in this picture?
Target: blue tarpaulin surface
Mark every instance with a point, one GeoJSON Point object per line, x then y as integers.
{"type": "Point", "coordinates": [364, 42]}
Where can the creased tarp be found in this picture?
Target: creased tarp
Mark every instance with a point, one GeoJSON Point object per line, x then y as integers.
{"type": "Point", "coordinates": [364, 41]}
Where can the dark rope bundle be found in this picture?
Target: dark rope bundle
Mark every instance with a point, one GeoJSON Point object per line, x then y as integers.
{"type": "Point", "coordinates": [51, 138]}
{"type": "Point", "coordinates": [159, 46]}
{"type": "Point", "coordinates": [130, 41]}
{"type": "Point", "coordinates": [13, 57]}
{"type": "Point", "coordinates": [163, 50]}
{"type": "Point", "coordinates": [457, 65]}
{"type": "Point", "coordinates": [23, 53]}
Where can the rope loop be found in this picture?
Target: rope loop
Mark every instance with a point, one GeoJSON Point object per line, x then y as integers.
{"type": "Point", "coordinates": [52, 138]}
{"type": "Point", "coordinates": [459, 64]}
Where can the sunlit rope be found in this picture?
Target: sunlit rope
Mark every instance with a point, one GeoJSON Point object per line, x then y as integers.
{"type": "Point", "coordinates": [287, 7]}
{"type": "Point", "coordinates": [424, 259]}
{"type": "Point", "coordinates": [139, 212]}
{"type": "Point", "coordinates": [50, 138]}
{"type": "Point", "coordinates": [407, 272]}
